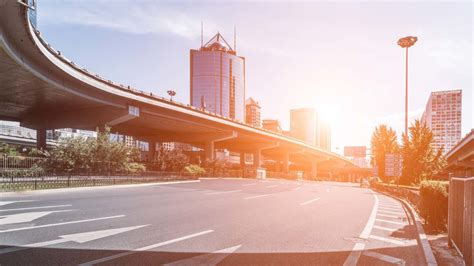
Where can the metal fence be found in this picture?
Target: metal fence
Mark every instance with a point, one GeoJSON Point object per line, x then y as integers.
{"type": "Point", "coordinates": [460, 216]}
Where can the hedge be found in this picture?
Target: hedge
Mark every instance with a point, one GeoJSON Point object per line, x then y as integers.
{"type": "Point", "coordinates": [434, 203]}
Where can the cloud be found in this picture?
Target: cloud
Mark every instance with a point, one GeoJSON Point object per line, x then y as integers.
{"type": "Point", "coordinates": [134, 18]}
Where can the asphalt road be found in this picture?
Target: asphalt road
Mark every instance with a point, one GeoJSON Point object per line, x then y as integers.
{"type": "Point", "coordinates": [214, 221]}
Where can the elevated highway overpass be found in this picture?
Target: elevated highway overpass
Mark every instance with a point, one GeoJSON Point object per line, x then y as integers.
{"type": "Point", "coordinates": [42, 89]}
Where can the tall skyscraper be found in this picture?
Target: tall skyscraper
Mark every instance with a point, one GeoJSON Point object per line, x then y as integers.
{"type": "Point", "coordinates": [443, 116]}
{"type": "Point", "coordinates": [218, 79]}
{"type": "Point", "coordinates": [252, 112]}
{"type": "Point", "coordinates": [306, 125]}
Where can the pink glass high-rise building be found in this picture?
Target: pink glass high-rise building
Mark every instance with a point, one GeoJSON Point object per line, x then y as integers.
{"type": "Point", "coordinates": [443, 116]}
{"type": "Point", "coordinates": [218, 79]}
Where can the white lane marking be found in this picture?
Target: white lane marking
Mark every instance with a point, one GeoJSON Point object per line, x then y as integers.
{"type": "Point", "coordinates": [251, 184]}
{"type": "Point", "coordinates": [389, 216]}
{"type": "Point", "coordinates": [78, 238]}
{"type": "Point", "coordinates": [57, 224]}
{"type": "Point", "coordinates": [258, 196]}
{"type": "Point", "coordinates": [34, 208]}
{"type": "Point", "coordinates": [390, 222]}
{"type": "Point", "coordinates": [212, 258]}
{"type": "Point", "coordinates": [384, 257]}
{"type": "Point", "coordinates": [272, 186]}
{"type": "Point", "coordinates": [223, 192]}
{"type": "Point", "coordinates": [308, 202]}
{"type": "Point", "coordinates": [386, 228]}
{"type": "Point", "coordinates": [356, 252]}
{"type": "Point", "coordinates": [123, 254]}
{"type": "Point", "coordinates": [391, 212]}
{"type": "Point", "coordinates": [25, 217]}
{"type": "Point", "coordinates": [2, 203]}
{"type": "Point", "coordinates": [393, 241]}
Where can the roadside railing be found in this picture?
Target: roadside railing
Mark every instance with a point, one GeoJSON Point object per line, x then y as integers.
{"type": "Point", "coordinates": [460, 216]}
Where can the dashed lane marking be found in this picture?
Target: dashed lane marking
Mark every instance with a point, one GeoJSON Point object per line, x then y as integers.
{"type": "Point", "coordinates": [223, 192]}
{"type": "Point", "coordinates": [57, 224]}
{"type": "Point", "coordinates": [212, 258]}
{"type": "Point", "coordinates": [308, 202]}
{"type": "Point", "coordinates": [258, 196]}
{"type": "Point", "coordinates": [123, 254]}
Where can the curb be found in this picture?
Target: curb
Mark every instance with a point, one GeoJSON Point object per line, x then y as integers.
{"type": "Point", "coordinates": [422, 239]}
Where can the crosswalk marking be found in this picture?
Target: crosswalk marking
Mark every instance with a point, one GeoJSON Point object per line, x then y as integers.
{"type": "Point", "coordinates": [391, 222]}
{"type": "Point", "coordinates": [384, 257]}
{"type": "Point", "coordinates": [394, 241]}
{"type": "Point", "coordinates": [392, 212]}
{"type": "Point", "coordinates": [386, 228]}
{"type": "Point", "coordinates": [389, 216]}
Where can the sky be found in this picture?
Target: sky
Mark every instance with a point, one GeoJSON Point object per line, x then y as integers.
{"type": "Point", "coordinates": [339, 57]}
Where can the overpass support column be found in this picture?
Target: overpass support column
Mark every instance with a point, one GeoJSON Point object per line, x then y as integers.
{"type": "Point", "coordinates": [257, 156]}
{"type": "Point", "coordinates": [41, 138]}
{"type": "Point", "coordinates": [314, 169]}
{"type": "Point", "coordinates": [209, 150]}
{"type": "Point", "coordinates": [286, 163]}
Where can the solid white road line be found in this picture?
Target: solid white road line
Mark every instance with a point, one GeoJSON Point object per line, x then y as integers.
{"type": "Point", "coordinates": [34, 208]}
{"type": "Point", "coordinates": [390, 222]}
{"type": "Point", "coordinates": [258, 196]}
{"type": "Point", "coordinates": [394, 241]}
{"type": "Point", "coordinates": [2, 203]}
{"type": "Point", "coordinates": [78, 238]}
{"type": "Point", "coordinates": [386, 228]}
{"type": "Point", "coordinates": [384, 257]}
{"type": "Point", "coordinates": [212, 258]}
{"type": "Point", "coordinates": [272, 186]}
{"type": "Point", "coordinates": [356, 252]}
{"type": "Point", "coordinates": [123, 254]}
{"type": "Point", "coordinates": [57, 224]}
{"type": "Point", "coordinates": [251, 184]}
{"type": "Point", "coordinates": [307, 202]}
{"type": "Point", "coordinates": [223, 192]}
{"type": "Point", "coordinates": [26, 217]}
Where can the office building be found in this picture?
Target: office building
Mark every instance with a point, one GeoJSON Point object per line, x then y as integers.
{"type": "Point", "coordinates": [443, 116]}
{"type": "Point", "coordinates": [218, 79]}
{"type": "Point", "coordinates": [272, 125]}
{"type": "Point", "coordinates": [252, 112]}
{"type": "Point", "coordinates": [306, 125]}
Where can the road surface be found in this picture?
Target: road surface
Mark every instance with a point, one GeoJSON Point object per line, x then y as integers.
{"type": "Point", "coordinates": [211, 221]}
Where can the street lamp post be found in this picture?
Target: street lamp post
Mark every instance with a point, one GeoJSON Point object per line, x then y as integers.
{"type": "Point", "coordinates": [406, 42]}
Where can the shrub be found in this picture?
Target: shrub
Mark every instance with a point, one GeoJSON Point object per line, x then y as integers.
{"type": "Point", "coordinates": [434, 203]}
{"type": "Point", "coordinates": [194, 170]}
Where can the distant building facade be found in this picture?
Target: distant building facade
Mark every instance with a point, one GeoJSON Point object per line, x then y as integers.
{"type": "Point", "coordinates": [218, 79]}
{"type": "Point", "coordinates": [306, 125]}
{"type": "Point", "coordinates": [252, 113]}
{"type": "Point", "coordinates": [443, 116]}
{"type": "Point", "coordinates": [272, 125]}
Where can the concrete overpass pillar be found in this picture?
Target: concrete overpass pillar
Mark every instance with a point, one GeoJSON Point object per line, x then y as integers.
{"type": "Point", "coordinates": [314, 169]}
{"type": "Point", "coordinates": [286, 163]}
{"type": "Point", "coordinates": [257, 160]}
{"type": "Point", "coordinates": [209, 150]}
{"type": "Point", "coordinates": [41, 139]}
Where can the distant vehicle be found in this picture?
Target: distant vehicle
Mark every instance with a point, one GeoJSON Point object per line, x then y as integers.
{"type": "Point", "coordinates": [364, 183]}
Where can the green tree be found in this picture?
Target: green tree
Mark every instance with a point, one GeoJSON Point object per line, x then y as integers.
{"type": "Point", "coordinates": [170, 160]}
{"type": "Point", "coordinates": [420, 160]}
{"type": "Point", "coordinates": [384, 141]}
{"type": "Point", "coordinates": [8, 150]}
